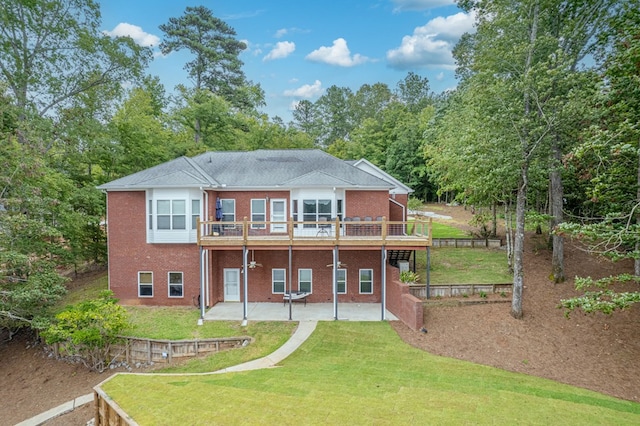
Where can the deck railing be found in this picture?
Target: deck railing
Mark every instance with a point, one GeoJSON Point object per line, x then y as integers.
{"type": "Point", "coordinates": [314, 232]}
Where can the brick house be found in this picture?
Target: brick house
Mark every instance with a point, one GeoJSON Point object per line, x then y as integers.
{"type": "Point", "coordinates": [258, 226]}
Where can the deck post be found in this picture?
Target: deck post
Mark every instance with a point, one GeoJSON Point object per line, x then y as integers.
{"type": "Point", "coordinates": [245, 280]}
{"type": "Point", "coordinates": [202, 298]}
{"type": "Point", "coordinates": [290, 278]}
{"type": "Point", "coordinates": [335, 282]}
{"type": "Point", "coordinates": [428, 272]}
{"type": "Point", "coordinates": [383, 287]}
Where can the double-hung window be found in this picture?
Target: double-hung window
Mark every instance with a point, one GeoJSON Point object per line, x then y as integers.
{"type": "Point", "coordinates": [145, 284]}
{"type": "Point", "coordinates": [195, 213]}
{"type": "Point", "coordinates": [278, 281]}
{"type": "Point", "coordinates": [176, 284]}
{"type": "Point", "coordinates": [366, 281]}
{"type": "Point", "coordinates": [228, 210]}
{"type": "Point", "coordinates": [342, 281]}
{"type": "Point", "coordinates": [258, 213]}
{"type": "Point", "coordinates": [171, 214]}
{"type": "Point", "coordinates": [305, 280]}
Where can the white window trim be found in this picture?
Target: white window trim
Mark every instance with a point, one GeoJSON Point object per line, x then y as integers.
{"type": "Point", "coordinates": [139, 284]}
{"type": "Point", "coordinates": [360, 281]}
{"type": "Point", "coordinates": [310, 279]}
{"type": "Point", "coordinates": [172, 215]}
{"type": "Point", "coordinates": [345, 282]}
{"type": "Point", "coordinates": [264, 213]}
{"type": "Point", "coordinates": [169, 284]}
{"type": "Point", "coordinates": [233, 200]}
{"type": "Point", "coordinates": [273, 281]}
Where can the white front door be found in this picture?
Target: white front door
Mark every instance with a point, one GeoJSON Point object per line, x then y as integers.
{"type": "Point", "coordinates": [278, 214]}
{"type": "Point", "coordinates": [232, 285]}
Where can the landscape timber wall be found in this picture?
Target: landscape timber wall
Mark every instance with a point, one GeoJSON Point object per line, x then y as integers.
{"type": "Point", "coordinates": [453, 290]}
{"type": "Point", "coordinates": [165, 351]}
{"type": "Point", "coordinates": [107, 412]}
{"type": "Point", "coordinates": [401, 303]}
{"type": "Point", "coordinates": [466, 242]}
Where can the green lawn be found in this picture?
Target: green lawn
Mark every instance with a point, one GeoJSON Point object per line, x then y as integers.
{"type": "Point", "coordinates": [469, 266]}
{"type": "Point", "coordinates": [180, 323]}
{"type": "Point", "coordinates": [441, 230]}
{"type": "Point", "coordinates": [85, 292]}
{"type": "Point", "coordinates": [362, 373]}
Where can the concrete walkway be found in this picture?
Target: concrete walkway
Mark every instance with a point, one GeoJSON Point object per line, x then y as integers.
{"type": "Point", "coordinates": [302, 333]}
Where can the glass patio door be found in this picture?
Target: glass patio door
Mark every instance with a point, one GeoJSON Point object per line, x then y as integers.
{"type": "Point", "coordinates": [278, 214]}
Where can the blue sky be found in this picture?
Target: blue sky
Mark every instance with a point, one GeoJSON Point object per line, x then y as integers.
{"type": "Point", "coordinates": [299, 48]}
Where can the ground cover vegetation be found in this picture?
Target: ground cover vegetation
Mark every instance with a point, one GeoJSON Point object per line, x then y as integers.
{"type": "Point", "coordinates": [366, 365]}
{"type": "Point", "coordinates": [544, 120]}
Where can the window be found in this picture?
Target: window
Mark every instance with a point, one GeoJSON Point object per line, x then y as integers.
{"type": "Point", "coordinates": [342, 281]}
{"type": "Point", "coordinates": [150, 214]}
{"type": "Point", "coordinates": [195, 213]}
{"type": "Point", "coordinates": [339, 208]}
{"type": "Point", "coordinates": [313, 210]}
{"type": "Point", "coordinates": [258, 213]}
{"type": "Point", "coordinates": [228, 210]}
{"type": "Point", "coordinates": [145, 284]}
{"type": "Point", "coordinates": [366, 281]}
{"type": "Point", "coordinates": [278, 281]}
{"type": "Point", "coordinates": [171, 214]}
{"type": "Point", "coordinates": [176, 286]}
{"type": "Point", "coordinates": [304, 280]}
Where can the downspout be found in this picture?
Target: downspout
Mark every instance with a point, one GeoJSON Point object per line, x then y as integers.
{"type": "Point", "coordinates": [245, 281]}
{"type": "Point", "coordinates": [207, 265]}
{"type": "Point", "coordinates": [383, 287]}
{"type": "Point", "coordinates": [202, 303]}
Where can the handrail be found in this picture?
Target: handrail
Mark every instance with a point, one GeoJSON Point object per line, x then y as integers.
{"type": "Point", "coordinates": [334, 230]}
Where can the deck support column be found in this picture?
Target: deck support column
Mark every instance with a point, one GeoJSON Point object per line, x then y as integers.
{"type": "Point", "coordinates": [428, 272]}
{"type": "Point", "coordinates": [290, 278]}
{"type": "Point", "coordinates": [335, 282]}
{"type": "Point", "coordinates": [383, 287]}
{"type": "Point", "coordinates": [245, 282]}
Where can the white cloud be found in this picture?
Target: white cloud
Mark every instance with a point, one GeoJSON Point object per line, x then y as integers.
{"type": "Point", "coordinates": [281, 50]}
{"type": "Point", "coordinates": [305, 91]}
{"type": "Point", "coordinates": [404, 5]}
{"type": "Point", "coordinates": [440, 76]}
{"type": "Point", "coordinates": [338, 54]}
{"type": "Point", "coordinates": [141, 38]}
{"type": "Point", "coordinates": [281, 33]}
{"type": "Point", "coordinates": [431, 44]}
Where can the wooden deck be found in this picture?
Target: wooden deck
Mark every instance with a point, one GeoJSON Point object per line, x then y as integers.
{"type": "Point", "coordinates": [409, 235]}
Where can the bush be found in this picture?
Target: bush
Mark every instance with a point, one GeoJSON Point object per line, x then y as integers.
{"type": "Point", "coordinates": [409, 277]}
{"type": "Point", "coordinates": [88, 329]}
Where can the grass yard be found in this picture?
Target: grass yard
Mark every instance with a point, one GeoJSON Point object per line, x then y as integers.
{"type": "Point", "coordinates": [441, 230]}
{"type": "Point", "coordinates": [88, 291]}
{"type": "Point", "coordinates": [451, 265]}
{"type": "Point", "coordinates": [363, 373]}
{"type": "Point", "coordinates": [180, 323]}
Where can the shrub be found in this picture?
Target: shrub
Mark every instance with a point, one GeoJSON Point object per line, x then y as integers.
{"type": "Point", "coordinates": [88, 329]}
{"type": "Point", "coordinates": [409, 277]}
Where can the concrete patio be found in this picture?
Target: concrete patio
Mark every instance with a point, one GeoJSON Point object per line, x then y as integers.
{"type": "Point", "coordinates": [299, 312]}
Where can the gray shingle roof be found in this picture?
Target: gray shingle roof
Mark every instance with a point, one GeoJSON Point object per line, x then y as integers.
{"type": "Point", "coordinates": [293, 168]}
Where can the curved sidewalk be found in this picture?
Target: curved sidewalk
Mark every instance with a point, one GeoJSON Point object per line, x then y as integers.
{"type": "Point", "coordinates": [302, 333]}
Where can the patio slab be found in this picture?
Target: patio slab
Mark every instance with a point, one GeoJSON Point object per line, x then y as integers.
{"type": "Point", "coordinates": [299, 312]}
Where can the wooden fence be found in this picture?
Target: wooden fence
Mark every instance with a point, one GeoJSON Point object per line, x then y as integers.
{"type": "Point", "coordinates": [452, 290]}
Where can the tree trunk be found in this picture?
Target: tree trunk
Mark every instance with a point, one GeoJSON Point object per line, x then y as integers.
{"type": "Point", "coordinates": [557, 197]}
{"type": "Point", "coordinates": [518, 244]}
{"type": "Point", "coordinates": [508, 227]}
{"type": "Point", "coordinates": [494, 226]}
{"type": "Point", "coordinates": [636, 263]}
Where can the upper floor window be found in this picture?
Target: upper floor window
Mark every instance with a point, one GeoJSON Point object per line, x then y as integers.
{"type": "Point", "coordinates": [171, 214]}
{"type": "Point", "coordinates": [195, 213]}
{"type": "Point", "coordinates": [316, 210]}
{"type": "Point", "coordinates": [258, 213]}
{"type": "Point", "coordinates": [228, 210]}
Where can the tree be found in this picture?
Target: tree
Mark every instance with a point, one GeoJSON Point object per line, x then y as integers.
{"type": "Point", "coordinates": [414, 92]}
{"type": "Point", "coordinates": [216, 66]}
{"type": "Point", "coordinates": [53, 50]}
{"type": "Point", "coordinates": [609, 151]}
{"type": "Point", "coordinates": [89, 329]}
{"type": "Point", "coordinates": [527, 51]}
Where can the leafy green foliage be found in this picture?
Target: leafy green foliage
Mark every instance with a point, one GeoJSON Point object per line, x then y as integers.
{"type": "Point", "coordinates": [89, 329]}
{"type": "Point", "coordinates": [409, 277]}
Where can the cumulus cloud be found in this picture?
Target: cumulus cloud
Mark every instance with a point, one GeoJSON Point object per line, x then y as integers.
{"type": "Point", "coordinates": [431, 45]}
{"type": "Point", "coordinates": [305, 91]}
{"type": "Point", "coordinates": [406, 5]}
{"type": "Point", "coordinates": [281, 50]}
{"type": "Point", "coordinates": [142, 38]}
{"type": "Point", "coordinates": [337, 54]}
